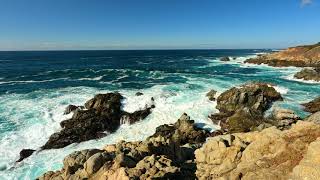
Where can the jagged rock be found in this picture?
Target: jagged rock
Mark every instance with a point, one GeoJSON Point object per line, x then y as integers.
{"type": "Point", "coordinates": [155, 167]}
{"type": "Point", "coordinates": [309, 74]}
{"type": "Point", "coordinates": [269, 154]}
{"type": "Point", "coordinates": [225, 59]}
{"type": "Point", "coordinates": [242, 109]}
{"type": "Point", "coordinates": [211, 95]}
{"type": "Point", "coordinates": [164, 155]}
{"type": "Point", "coordinates": [312, 106]}
{"type": "Point", "coordinates": [102, 117]}
{"type": "Point", "coordinates": [24, 153]}
{"type": "Point", "coordinates": [183, 131]}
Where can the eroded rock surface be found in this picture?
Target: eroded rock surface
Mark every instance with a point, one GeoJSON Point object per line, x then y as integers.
{"type": "Point", "coordinates": [167, 154]}
{"type": "Point", "coordinates": [312, 106]}
{"type": "Point", "coordinates": [242, 109]}
{"type": "Point", "coordinates": [269, 154]}
{"type": "Point", "coordinates": [309, 74]}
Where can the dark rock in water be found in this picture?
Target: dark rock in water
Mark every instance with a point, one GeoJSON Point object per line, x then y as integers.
{"type": "Point", "coordinates": [70, 108]}
{"type": "Point", "coordinates": [234, 58]}
{"type": "Point", "coordinates": [130, 118]}
{"type": "Point", "coordinates": [225, 59]}
{"type": "Point", "coordinates": [255, 96]}
{"type": "Point", "coordinates": [309, 74]}
{"type": "Point", "coordinates": [103, 116]}
{"type": "Point", "coordinates": [24, 153]}
{"type": "Point", "coordinates": [242, 109]}
{"type": "Point", "coordinates": [312, 106]}
{"type": "Point", "coordinates": [168, 154]}
{"type": "Point", "coordinates": [211, 95]}
{"type": "Point", "coordinates": [139, 94]}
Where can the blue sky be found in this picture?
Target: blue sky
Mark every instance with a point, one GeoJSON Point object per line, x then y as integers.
{"type": "Point", "coordinates": [157, 24]}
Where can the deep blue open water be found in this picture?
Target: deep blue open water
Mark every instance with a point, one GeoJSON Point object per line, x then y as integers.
{"type": "Point", "coordinates": [35, 87]}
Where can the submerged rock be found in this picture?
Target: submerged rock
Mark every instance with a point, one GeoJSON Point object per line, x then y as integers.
{"type": "Point", "coordinates": [312, 106]}
{"type": "Point", "coordinates": [139, 94]}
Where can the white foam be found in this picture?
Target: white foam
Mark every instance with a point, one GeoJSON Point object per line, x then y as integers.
{"type": "Point", "coordinates": [31, 81]}
{"type": "Point", "coordinates": [292, 78]}
{"type": "Point", "coordinates": [92, 79]}
{"type": "Point", "coordinates": [282, 90]}
{"type": "Point", "coordinates": [38, 115]}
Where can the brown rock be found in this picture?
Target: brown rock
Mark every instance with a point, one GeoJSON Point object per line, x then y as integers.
{"type": "Point", "coordinates": [312, 106]}
{"type": "Point", "coordinates": [269, 154]}
{"type": "Point", "coordinates": [300, 56]}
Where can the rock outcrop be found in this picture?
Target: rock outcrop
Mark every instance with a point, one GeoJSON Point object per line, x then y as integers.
{"type": "Point", "coordinates": [242, 109]}
{"type": "Point", "coordinates": [102, 116]}
{"type": "Point", "coordinates": [300, 56]}
{"type": "Point", "coordinates": [312, 74]}
{"type": "Point", "coordinates": [269, 154]}
{"type": "Point", "coordinates": [312, 106]}
{"type": "Point", "coordinates": [167, 154]}
{"type": "Point", "coordinates": [211, 95]}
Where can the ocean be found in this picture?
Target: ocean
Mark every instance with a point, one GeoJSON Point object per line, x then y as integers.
{"type": "Point", "coordinates": [36, 86]}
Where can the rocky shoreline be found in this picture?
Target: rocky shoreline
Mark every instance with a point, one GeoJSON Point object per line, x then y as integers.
{"type": "Point", "coordinates": [300, 56]}
{"type": "Point", "coordinates": [249, 145]}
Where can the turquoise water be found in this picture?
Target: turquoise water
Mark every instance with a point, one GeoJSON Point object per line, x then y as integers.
{"type": "Point", "coordinates": [35, 87]}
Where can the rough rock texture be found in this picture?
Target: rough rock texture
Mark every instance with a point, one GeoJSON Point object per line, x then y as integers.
{"type": "Point", "coordinates": [315, 118]}
{"type": "Point", "coordinates": [225, 59]}
{"type": "Point", "coordinates": [300, 56]}
{"type": "Point", "coordinates": [242, 109]}
{"type": "Point", "coordinates": [167, 154]}
{"type": "Point", "coordinates": [312, 106]}
{"type": "Point", "coordinates": [269, 154]}
{"type": "Point", "coordinates": [72, 108]}
{"type": "Point", "coordinates": [103, 114]}
{"type": "Point", "coordinates": [309, 74]}
{"type": "Point", "coordinates": [212, 95]}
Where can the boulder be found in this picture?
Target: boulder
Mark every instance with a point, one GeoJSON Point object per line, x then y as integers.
{"type": "Point", "coordinates": [211, 95]}
{"type": "Point", "coordinates": [309, 74]}
{"type": "Point", "coordinates": [225, 59]}
{"type": "Point", "coordinates": [312, 106]}
{"type": "Point", "coordinates": [242, 109]}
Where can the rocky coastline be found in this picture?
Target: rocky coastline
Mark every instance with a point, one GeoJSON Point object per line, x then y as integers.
{"type": "Point", "coordinates": [300, 56]}
{"type": "Point", "coordinates": [249, 145]}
